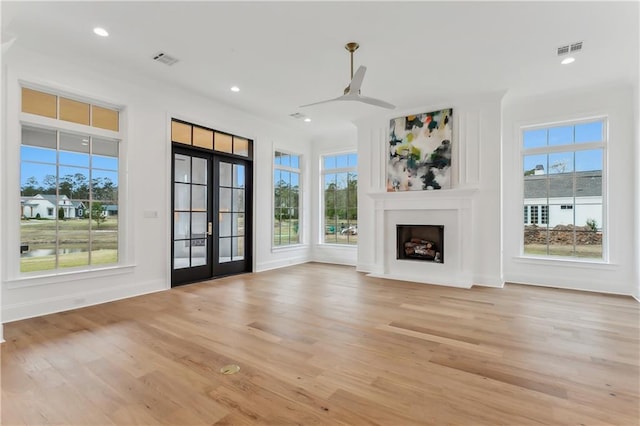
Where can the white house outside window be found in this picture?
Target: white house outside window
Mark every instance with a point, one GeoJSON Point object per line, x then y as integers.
{"type": "Point", "coordinates": [564, 189]}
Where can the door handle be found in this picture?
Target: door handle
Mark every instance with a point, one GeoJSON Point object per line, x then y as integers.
{"type": "Point", "coordinates": [210, 228]}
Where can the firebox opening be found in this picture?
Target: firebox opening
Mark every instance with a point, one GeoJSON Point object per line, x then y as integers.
{"type": "Point", "coordinates": [420, 242]}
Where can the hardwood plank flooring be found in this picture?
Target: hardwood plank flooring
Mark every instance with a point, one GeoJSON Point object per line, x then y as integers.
{"type": "Point", "coordinates": [324, 345]}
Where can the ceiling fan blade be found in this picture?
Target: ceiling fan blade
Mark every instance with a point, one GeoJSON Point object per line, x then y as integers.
{"type": "Point", "coordinates": [321, 102]}
{"type": "Point", "coordinates": [356, 81]}
{"type": "Point", "coordinates": [374, 101]}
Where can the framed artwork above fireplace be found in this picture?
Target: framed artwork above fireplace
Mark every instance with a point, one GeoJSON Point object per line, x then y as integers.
{"type": "Point", "coordinates": [420, 152]}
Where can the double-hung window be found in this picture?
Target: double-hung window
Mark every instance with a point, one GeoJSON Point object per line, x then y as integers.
{"type": "Point", "coordinates": [286, 199]}
{"type": "Point", "coordinates": [563, 189]}
{"type": "Point", "coordinates": [340, 199]}
{"type": "Point", "coordinates": [69, 183]}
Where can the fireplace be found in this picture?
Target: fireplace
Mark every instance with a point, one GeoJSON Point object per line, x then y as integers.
{"type": "Point", "coordinates": [420, 242]}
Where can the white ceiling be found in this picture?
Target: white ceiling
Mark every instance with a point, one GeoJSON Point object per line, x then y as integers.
{"type": "Point", "coordinates": [286, 54]}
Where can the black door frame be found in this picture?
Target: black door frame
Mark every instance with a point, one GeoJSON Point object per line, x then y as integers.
{"type": "Point", "coordinates": [213, 269]}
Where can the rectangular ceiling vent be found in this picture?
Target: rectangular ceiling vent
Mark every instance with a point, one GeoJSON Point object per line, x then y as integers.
{"type": "Point", "coordinates": [164, 58]}
{"type": "Point", "coordinates": [570, 48]}
{"type": "Point", "coordinates": [576, 47]}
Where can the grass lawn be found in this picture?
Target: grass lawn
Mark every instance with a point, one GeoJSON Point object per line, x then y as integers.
{"type": "Point", "coordinates": [585, 251]}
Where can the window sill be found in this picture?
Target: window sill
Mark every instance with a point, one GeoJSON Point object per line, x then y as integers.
{"type": "Point", "coordinates": [566, 262]}
{"type": "Point", "coordinates": [66, 276]}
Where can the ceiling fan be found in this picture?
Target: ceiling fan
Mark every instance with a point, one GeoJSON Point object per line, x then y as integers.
{"type": "Point", "coordinates": [352, 91]}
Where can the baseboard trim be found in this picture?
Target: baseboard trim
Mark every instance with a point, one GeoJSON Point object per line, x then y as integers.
{"type": "Point", "coordinates": [51, 305]}
{"type": "Point", "coordinates": [488, 281]}
{"type": "Point", "coordinates": [275, 264]}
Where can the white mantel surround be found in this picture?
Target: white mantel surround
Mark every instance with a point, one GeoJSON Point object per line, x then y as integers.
{"type": "Point", "coordinates": [451, 208]}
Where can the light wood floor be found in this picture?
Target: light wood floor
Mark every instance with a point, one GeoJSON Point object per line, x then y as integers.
{"type": "Point", "coordinates": [322, 344]}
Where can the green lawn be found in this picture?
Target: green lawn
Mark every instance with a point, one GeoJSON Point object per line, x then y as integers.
{"type": "Point", "coordinates": [583, 251]}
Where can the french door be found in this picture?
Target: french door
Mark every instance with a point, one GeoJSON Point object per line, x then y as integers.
{"type": "Point", "coordinates": [211, 232]}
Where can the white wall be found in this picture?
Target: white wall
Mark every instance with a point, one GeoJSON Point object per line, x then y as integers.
{"type": "Point", "coordinates": [334, 143]}
{"type": "Point", "coordinates": [475, 165]}
{"type": "Point", "coordinates": [616, 276]}
{"type": "Point", "coordinates": [149, 107]}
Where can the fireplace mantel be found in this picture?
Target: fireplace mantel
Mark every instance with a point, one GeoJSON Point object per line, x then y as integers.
{"type": "Point", "coordinates": [452, 208]}
{"type": "Point", "coordinates": [446, 199]}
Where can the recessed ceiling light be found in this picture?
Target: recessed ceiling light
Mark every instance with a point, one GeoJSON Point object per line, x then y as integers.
{"type": "Point", "coordinates": [568, 60]}
{"type": "Point", "coordinates": [101, 32]}
{"type": "Point", "coordinates": [235, 89]}
{"type": "Point", "coordinates": [307, 120]}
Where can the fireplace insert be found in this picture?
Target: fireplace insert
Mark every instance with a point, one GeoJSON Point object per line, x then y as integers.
{"type": "Point", "coordinates": [420, 242]}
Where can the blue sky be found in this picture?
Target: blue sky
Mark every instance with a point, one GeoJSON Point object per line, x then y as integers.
{"type": "Point", "coordinates": [564, 162]}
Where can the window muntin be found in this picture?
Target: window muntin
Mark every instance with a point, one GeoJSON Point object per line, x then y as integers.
{"type": "Point", "coordinates": [340, 199]}
{"type": "Point", "coordinates": [286, 199]}
{"type": "Point", "coordinates": [563, 171]}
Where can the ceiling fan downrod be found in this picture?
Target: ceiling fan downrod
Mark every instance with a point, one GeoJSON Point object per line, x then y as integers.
{"type": "Point", "coordinates": [351, 47]}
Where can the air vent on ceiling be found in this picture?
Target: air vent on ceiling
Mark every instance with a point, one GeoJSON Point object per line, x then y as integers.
{"type": "Point", "coordinates": [164, 58]}
{"type": "Point", "coordinates": [570, 48]}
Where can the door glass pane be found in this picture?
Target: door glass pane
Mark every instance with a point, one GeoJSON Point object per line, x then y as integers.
{"type": "Point", "coordinates": [238, 224]}
{"type": "Point", "coordinates": [238, 176]}
{"type": "Point", "coordinates": [182, 196]}
{"type": "Point", "coordinates": [198, 225]}
{"type": "Point", "coordinates": [182, 166]}
{"type": "Point", "coordinates": [181, 254]}
{"type": "Point", "coordinates": [199, 170]}
{"type": "Point", "coordinates": [181, 226]}
{"type": "Point", "coordinates": [223, 142]}
{"type": "Point", "coordinates": [224, 250]}
{"type": "Point", "coordinates": [238, 200]}
{"type": "Point", "coordinates": [199, 198]}
{"type": "Point", "coordinates": [225, 174]}
{"type": "Point", "coordinates": [198, 252]}
{"type": "Point", "coordinates": [225, 200]}
{"type": "Point", "coordinates": [237, 245]}
{"type": "Point", "coordinates": [225, 224]}
{"type": "Point", "coordinates": [240, 146]}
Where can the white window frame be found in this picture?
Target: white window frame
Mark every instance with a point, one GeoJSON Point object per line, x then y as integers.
{"type": "Point", "coordinates": [323, 172]}
{"type": "Point", "coordinates": [16, 120]}
{"type": "Point", "coordinates": [582, 146]}
{"type": "Point", "coordinates": [299, 171]}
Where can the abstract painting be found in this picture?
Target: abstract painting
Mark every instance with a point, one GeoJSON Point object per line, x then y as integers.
{"type": "Point", "coordinates": [420, 152]}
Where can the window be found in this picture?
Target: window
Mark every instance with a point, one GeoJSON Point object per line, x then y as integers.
{"type": "Point", "coordinates": [286, 199]}
{"type": "Point", "coordinates": [340, 199]}
{"type": "Point", "coordinates": [68, 186]}
{"type": "Point", "coordinates": [563, 175]}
